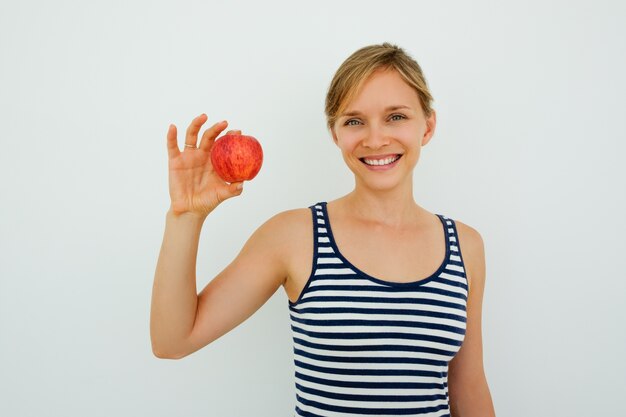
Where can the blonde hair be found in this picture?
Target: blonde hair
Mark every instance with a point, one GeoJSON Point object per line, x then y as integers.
{"type": "Point", "coordinates": [357, 68]}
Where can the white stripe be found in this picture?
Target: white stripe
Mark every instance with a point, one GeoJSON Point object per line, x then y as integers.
{"type": "Point", "coordinates": [321, 221]}
{"type": "Point", "coordinates": [335, 271]}
{"type": "Point", "coordinates": [329, 261]}
{"type": "Point", "coordinates": [360, 304]}
{"type": "Point", "coordinates": [446, 287]}
{"type": "Point", "coordinates": [371, 404]}
{"type": "Point", "coordinates": [457, 268]}
{"type": "Point", "coordinates": [374, 353]}
{"type": "Point", "coordinates": [325, 281]}
{"type": "Point", "coordinates": [386, 316]}
{"type": "Point", "coordinates": [325, 249]}
{"type": "Point", "coordinates": [408, 294]}
{"type": "Point", "coordinates": [321, 230]}
{"type": "Point", "coordinates": [323, 239]}
{"type": "Point", "coordinates": [445, 277]}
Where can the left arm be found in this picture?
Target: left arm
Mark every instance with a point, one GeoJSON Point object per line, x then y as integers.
{"type": "Point", "coordinates": [467, 384]}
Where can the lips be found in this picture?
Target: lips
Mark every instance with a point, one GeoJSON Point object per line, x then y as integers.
{"type": "Point", "coordinates": [380, 160]}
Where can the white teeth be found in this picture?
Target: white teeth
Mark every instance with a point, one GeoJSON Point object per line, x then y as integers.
{"type": "Point", "coordinates": [385, 161]}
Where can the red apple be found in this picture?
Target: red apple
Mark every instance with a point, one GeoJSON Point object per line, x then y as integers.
{"type": "Point", "coordinates": [236, 157]}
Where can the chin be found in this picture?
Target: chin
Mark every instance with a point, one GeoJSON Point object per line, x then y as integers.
{"type": "Point", "coordinates": [380, 184]}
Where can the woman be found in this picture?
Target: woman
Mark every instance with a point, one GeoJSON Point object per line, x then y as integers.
{"type": "Point", "coordinates": [375, 330]}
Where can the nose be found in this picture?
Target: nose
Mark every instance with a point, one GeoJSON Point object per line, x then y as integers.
{"type": "Point", "coordinates": [375, 138]}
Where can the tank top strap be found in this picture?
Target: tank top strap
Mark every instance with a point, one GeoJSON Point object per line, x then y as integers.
{"type": "Point", "coordinates": [455, 258]}
{"type": "Point", "coordinates": [321, 236]}
{"type": "Point", "coordinates": [320, 222]}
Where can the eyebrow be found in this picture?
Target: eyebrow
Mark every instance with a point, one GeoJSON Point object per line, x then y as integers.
{"type": "Point", "coordinates": [390, 108]}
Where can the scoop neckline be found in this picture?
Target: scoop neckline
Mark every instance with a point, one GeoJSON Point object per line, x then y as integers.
{"type": "Point", "coordinates": [365, 275]}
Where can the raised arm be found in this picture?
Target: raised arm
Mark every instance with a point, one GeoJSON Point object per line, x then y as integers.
{"type": "Point", "coordinates": [181, 321]}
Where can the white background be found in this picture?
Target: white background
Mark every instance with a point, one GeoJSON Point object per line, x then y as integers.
{"type": "Point", "coordinates": [528, 150]}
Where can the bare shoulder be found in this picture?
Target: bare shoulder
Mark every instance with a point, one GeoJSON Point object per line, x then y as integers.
{"type": "Point", "coordinates": [288, 237]}
{"type": "Point", "coordinates": [472, 249]}
{"type": "Point", "coordinates": [470, 236]}
{"type": "Point", "coordinates": [288, 224]}
{"type": "Point", "coordinates": [293, 232]}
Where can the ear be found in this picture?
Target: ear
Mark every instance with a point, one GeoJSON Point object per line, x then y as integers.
{"type": "Point", "coordinates": [333, 134]}
{"type": "Point", "coordinates": [431, 123]}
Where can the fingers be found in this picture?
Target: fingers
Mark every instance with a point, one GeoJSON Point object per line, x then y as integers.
{"type": "Point", "coordinates": [172, 142]}
{"type": "Point", "coordinates": [194, 127]}
{"type": "Point", "coordinates": [231, 190]}
{"type": "Point", "coordinates": [209, 135]}
{"type": "Point", "coordinates": [191, 137]}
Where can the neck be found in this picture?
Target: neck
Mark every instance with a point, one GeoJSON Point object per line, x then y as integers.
{"type": "Point", "coordinates": [394, 208]}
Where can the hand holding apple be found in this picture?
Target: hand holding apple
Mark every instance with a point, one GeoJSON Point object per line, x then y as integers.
{"type": "Point", "coordinates": [195, 187]}
{"type": "Point", "coordinates": [236, 157]}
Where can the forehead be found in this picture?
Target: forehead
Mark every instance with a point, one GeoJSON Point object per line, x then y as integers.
{"type": "Point", "coordinates": [383, 89]}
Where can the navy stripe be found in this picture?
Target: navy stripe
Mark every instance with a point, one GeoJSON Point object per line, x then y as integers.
{"type": "Point", "coordinates": [303, 413]}
{"type": "Point", "coordinates": [363, 359]}
{"type": "Point", "coordinates": [370, 397]}
{"type": "Point", "coordinates": [359, 410]}
{"type": "Point", "coordinates": [378, 324]}
{"type": "Point", "coordinates": [380, 311]}
{"type": "Point", "coordinates": [389, 300]}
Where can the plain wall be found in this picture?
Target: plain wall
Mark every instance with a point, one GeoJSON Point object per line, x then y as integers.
{"type": "Point", "coordinates": [528, 150]}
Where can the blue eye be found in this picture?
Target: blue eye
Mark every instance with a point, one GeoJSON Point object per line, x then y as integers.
{"type": "Point", "coordinates": [347, 123]}
{"type": "Point", "coordinates": [398, 115]}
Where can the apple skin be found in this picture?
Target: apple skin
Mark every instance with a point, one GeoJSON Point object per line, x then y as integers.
{"type": "Point", "coordinates": [236, 158]}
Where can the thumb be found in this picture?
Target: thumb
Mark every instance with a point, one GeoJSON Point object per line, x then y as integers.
{"type": "Point", "coordinates": [232, 190]}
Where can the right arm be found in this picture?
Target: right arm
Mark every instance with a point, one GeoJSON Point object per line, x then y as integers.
{"type": "Point", "coordinates": [182, 321]}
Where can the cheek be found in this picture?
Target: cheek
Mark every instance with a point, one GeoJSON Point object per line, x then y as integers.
{"type": "Point", "coordinates": [348, 140]}
{"type": "Point", "coordinates": [410, 135]}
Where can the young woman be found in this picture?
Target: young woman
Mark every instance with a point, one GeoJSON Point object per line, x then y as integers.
{"type": "Point", "coordinates": [385, 306]}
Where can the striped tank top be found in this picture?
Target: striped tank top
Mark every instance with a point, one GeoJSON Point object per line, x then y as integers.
{"type": "Point", "coordinates": [366, 346]}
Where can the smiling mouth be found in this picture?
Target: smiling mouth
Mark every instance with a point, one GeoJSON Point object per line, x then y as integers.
{"type": "Point", "coordinates": [381, 162]}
